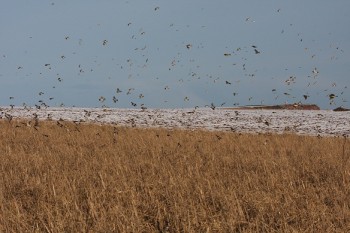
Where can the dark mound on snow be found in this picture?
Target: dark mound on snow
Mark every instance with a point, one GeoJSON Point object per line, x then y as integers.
{"type": "Point", "coordinates": [341, 109]}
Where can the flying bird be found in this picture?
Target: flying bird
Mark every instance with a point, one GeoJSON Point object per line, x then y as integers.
{"type": "Point", "coordinates": [115, 100]}
{"type": "Point", "coordinates": [101, 99]}
{"type": "Point", "coordinates": [332, 96]}
{"type": "Point", "coordinates": [129, 91]}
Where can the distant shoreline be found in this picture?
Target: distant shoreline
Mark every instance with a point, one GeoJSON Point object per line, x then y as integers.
{"type": "Point", "coordinates": [245, 107]}
{"type": "Point", "coordinates": [279, 107]}
{"type": "Point", "coordinates": [284, 107]}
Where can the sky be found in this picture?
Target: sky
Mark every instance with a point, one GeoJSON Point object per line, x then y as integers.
{"type": "Point", "coordinates": [174, 54]}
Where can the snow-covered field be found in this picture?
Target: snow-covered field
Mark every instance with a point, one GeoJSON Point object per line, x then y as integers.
{"type": "Point", "coordinates": [323, 122]}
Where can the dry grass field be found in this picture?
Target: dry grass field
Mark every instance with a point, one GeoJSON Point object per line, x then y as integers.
{"type": "Point", "coordinates": [90, 178]}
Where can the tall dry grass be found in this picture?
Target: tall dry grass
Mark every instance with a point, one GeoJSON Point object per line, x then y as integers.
{"type": "Point", "coordinates": [91, 178]}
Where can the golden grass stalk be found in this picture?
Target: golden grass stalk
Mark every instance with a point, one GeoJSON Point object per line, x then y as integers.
{"type": "Point", "coordinates": [68, 177]}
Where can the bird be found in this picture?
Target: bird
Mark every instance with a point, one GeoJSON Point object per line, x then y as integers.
{"type": "Point", "coordinates": [129, 91]}
{"type": "Point", "coordinates": [212, 106]}
{"type": "Point", "coordinates": [8, 117]}
{"type": "Point", "coordinates": [332, 96]}
{"type": "Point", "coordinates": [315, 71]}
{"type": "Point", "coordinates": [101, 99]}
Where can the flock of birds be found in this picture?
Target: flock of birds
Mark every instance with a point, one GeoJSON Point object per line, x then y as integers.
{"type": "Point", "coordinates": [192, 76]}
{"type": "Point", "coordinates": [316, 123]}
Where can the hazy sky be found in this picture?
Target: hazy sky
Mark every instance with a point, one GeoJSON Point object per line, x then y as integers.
{"type": "Point", "coordinates": [167, 54]}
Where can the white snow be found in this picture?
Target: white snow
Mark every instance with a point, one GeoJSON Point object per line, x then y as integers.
{"type": "Point", "coordinates": [322, 122]}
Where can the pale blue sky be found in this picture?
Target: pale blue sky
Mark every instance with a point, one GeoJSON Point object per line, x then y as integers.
{"type": "Point", "coordinates": [146, 51]}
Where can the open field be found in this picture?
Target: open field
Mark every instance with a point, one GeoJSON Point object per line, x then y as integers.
{"type": "Point", "coordinates": [320, 122]}
{"type": "Point", "coordinates": [58, 176]}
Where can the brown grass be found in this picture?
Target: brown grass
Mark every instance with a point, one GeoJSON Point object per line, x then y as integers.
{"type": "Point", "coordinates": [91, 178]}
